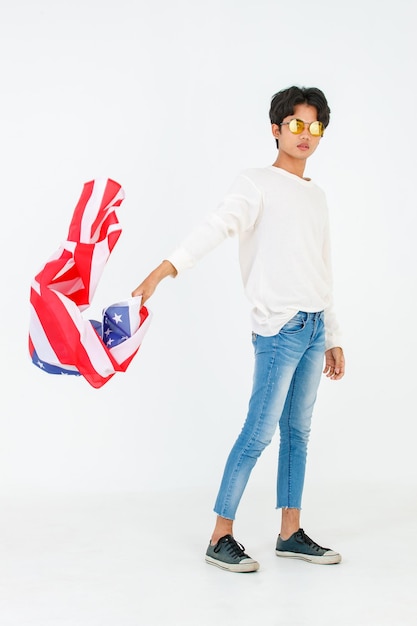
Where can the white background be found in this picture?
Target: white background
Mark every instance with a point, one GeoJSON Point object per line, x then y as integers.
{"type": "Point", "coordinates": [170, 98]}
{"type": "Point", "coordinates": [106, 495]}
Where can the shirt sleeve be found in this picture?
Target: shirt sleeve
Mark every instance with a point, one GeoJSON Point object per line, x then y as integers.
{"type": "Point", "coordinates": [238, 212]}
{"type": "Point", "coordinates": [333, 335]}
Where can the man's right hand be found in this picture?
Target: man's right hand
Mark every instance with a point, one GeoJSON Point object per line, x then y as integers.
{"type": "Point", "coordinates": [148, 286]}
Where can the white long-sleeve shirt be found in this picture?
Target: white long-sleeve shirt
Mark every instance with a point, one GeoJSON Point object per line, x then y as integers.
{"type": "Point", "coordinates": [284, 247]}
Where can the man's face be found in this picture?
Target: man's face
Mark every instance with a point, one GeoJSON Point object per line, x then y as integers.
{"type": "Point", "coordinates": [302, 145]}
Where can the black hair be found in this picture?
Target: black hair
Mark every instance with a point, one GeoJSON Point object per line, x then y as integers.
{"type": "Point", "coordinates": [283, 103]}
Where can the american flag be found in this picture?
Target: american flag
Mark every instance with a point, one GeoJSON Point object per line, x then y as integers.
{"type": "Point", "coordinates": [61, 341]}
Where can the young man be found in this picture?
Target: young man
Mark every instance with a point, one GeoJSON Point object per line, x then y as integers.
{"type": "Point", "coordinates": [281, 219]}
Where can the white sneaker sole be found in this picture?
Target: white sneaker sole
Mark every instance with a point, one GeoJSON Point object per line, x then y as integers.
{"type": "Point", "coordinates": [248, 566]}
{"type": "Point", "coordinates": [329, 558]}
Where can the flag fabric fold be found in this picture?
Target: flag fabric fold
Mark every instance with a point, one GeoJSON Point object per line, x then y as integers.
{"type": "Point", "coordinates": [61, 341]}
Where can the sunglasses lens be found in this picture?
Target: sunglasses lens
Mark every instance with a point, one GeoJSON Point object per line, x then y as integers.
{"type": "Point", "coordinates": [317, 129]}
{"type": "Point", "coordinates": [296, 126]}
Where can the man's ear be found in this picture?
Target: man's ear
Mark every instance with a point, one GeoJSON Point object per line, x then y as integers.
{"type": "Point", "coordinates": [275, 130]}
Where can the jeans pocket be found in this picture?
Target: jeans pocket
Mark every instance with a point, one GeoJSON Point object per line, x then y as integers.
{"type": "Point", "coordinates": [295, 325]}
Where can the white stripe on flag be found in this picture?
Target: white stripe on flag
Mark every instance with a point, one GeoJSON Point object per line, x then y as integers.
{"type": "Point", "coordinates": [91, 209]}
{"type": "Point", "coordinates": [89, 339]}
{"type": "Point", "coordinates": [99, 258]}
{"type": "Point", "coordinates": [41, 343]}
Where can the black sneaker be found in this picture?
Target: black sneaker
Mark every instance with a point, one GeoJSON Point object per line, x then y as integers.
{"type": "Point", "coordinates": [299, 546]}
{"type": "Point", "coordinates": [229, 554]}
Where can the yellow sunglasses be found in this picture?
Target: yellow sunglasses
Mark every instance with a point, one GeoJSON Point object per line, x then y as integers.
{"type": "Point", "coordinates": [297, 126]}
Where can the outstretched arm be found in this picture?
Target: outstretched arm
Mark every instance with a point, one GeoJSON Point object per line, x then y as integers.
{"type": "Point", "coordinates": [334, 367]}
{"type": "Point", "coordinates": [148, 286]}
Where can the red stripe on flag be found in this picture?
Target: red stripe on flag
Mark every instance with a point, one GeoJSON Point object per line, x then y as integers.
{"type": "Point", "coordinates": [74, 231]}
{"type": "Point", "coordinates": [109, 201]}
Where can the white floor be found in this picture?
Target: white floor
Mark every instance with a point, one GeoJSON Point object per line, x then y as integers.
{"type": "Point", "coordinates": [133, 560]}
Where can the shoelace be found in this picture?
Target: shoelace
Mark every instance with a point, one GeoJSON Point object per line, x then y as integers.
{"type": "Point", "coordinates": [306, 539]}
{"type": "Point", "coordinates": [234, 548]}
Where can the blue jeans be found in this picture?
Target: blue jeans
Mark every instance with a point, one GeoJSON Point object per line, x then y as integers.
{"type": "Point", "coordinates": [288, 369]}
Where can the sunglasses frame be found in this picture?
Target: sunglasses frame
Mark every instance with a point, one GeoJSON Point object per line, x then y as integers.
{"type": "Point", "coordinates": [300, 124]}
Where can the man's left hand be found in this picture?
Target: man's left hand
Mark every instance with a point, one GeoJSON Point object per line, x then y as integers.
{"type": "Point", "coordinates": [334, 364]}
